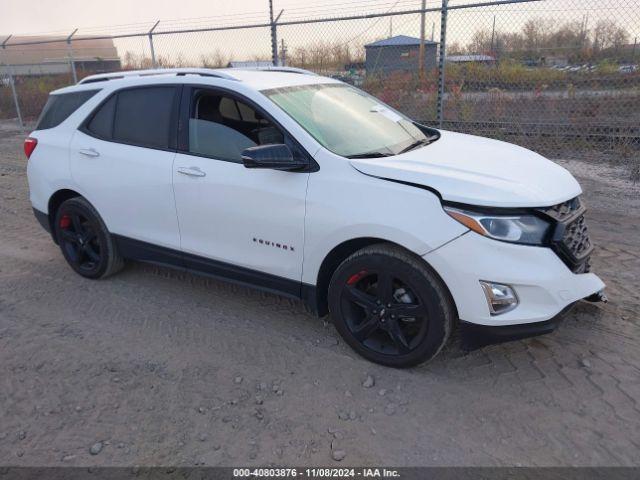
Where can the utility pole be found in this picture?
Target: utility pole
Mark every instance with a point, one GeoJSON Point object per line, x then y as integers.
{"type": "Point", "coordinates": [390, 27]}
{"type": "Point", "coordinates": [493, 33]}
{"type": "Point", "coordinates": [421, 53]}
{"type": "Point", "coordinates": [585, 32]}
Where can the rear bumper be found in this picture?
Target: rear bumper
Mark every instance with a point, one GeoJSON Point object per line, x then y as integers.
{"type": "Point", "coordinates": [543, 283]}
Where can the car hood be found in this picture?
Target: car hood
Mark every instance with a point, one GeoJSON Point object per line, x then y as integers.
{"type": "Point", "coordinates": [478, 171]}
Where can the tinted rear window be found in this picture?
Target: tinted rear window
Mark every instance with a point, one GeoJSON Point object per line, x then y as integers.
{"type": "Point", "coordinates": [101, 125]}
{"type": "Point", "coordinates": [143, 116]}
{"type": "Point", "coordinates": [59, 107]}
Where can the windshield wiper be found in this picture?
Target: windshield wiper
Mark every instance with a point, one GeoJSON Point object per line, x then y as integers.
{"type": "Point", "coordinates": [370, 155]}
{"type": "Point", "coordinates": [379, 154]}
{"type": "Point", "coordinates": [418, 143]}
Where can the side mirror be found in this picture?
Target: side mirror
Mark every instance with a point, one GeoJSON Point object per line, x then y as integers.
{"type": "Point", "coordinates": [277, 156]}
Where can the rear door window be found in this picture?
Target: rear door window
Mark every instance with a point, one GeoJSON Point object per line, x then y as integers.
{"type": "Point", "coordinates": [60, 106]}
{"type": "Point", "coordinates": [143, 116]}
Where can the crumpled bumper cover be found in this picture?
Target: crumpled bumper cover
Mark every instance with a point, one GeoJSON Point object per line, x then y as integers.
{"type": "Point", "coordinates": [543, 283]}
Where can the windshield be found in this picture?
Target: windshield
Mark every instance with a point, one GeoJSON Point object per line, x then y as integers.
{"type": "Point", "coordinates": [348, 121]}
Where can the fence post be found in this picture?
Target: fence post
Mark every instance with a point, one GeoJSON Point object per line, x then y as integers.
{"type": "Point", "coordinates": [283, 53]}
{"type": "Point", "coordinates": [153, 53]}
{"type": "Point", "coordinates": [441, 63]}
{"type": "Point", "coordinates": [15, 97]}
{"type": "Point", "coordinates": [9, 69]}
{"type": "Point", "coordinates": [274, 34]}
{"type": "Point", "coordinates": [421, 51]}
{"type": "Point", "coordinates": [72, 63]}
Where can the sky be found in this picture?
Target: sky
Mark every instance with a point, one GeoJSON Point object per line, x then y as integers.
{"type": "Point", "coordinates": [126, 16]}
{"type": "Point", "coordinates": [64, 15]}
{"type": "Point", "coordinates": [92, 17]}
{"type": "Point", "coordinates": [58, 16]}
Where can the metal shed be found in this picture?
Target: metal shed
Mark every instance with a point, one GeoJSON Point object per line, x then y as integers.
{"type": "Point", "coordinates": [49, 55]}
{"type": "Point", "coordinates": [399, 54]}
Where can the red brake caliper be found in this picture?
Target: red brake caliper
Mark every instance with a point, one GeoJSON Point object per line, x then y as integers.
{"type": "Point", "coordinates": [353, 279]}
{"type": "Point", "coordinates": [65, 221]}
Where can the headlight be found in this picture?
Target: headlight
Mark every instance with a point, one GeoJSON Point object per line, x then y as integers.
{"type": "Point", "coordinates": [521, 228]}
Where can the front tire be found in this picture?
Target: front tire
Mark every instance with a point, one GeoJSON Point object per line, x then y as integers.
{"type": "Point", "coordinates": [84, 240]}
{"type": "Point", "coordinates": [390, 307]}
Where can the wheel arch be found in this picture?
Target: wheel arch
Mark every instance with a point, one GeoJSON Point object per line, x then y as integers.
{"type": "Point", "coordinates": [54, 203]}
{"type": "Point", "coordinates": [316, 296]}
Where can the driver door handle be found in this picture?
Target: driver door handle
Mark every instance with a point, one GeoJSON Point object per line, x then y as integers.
{"type": "Point", "coordinates": [89, 152]}
{"type": "Point", "coordinates": [191, 171]}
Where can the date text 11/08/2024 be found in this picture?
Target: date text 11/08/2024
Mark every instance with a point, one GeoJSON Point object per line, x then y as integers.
{"type": "Point", "coordinates": [316, 472]}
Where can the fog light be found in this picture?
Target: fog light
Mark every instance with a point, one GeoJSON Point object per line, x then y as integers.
{"type": "Point", "coordinates": [501, 298]}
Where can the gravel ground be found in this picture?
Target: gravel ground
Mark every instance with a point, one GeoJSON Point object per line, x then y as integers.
{"type": "Point", "coordinates": [157, 367]}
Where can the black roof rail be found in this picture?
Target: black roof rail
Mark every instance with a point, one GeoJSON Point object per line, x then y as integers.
{"type": "Point", "coordinates": [204, 72]}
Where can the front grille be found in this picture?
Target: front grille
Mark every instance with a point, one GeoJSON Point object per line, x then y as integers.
{"type": "Point", "coordinates": [564, 210]}
{"type": "Point", "coordinates": [576, 238]}
{"type": "Point", "coordinates": [570, 239]}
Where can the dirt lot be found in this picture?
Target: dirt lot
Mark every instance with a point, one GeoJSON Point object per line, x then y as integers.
{"type": "Point", "coordinates": [154, 367]}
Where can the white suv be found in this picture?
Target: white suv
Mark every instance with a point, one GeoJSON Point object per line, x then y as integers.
{"type": "Point", "coordinates": [305, 186]}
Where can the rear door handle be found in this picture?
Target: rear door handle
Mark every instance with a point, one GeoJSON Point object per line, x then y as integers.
{"type": "Point", "coordinates": [89, 152]}
{"type": "Point", "coordinates": [191, 171]}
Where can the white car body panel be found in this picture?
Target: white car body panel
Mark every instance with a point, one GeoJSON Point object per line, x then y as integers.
{"type": "Point", "coordinates": [140, 195]}
{"type": "Point", "coordinates": [479, 171]}
{"type": "Point", "coordinates": [48, 168]}
{"type": "Point", "coordinates": [262, 204]}
{"type": "Point", "coordinates": [242, 216]}
{"type": "Point", "coordinates": [543, 284]}
{"type": "Point", "coordinates": [130, 186]}
{"type": "Point", "coordinates": [343, 204]}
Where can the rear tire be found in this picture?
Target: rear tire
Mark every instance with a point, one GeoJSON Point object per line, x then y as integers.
{"type": "Point", "coordinates": [84, 240]}
{"type": "Point", "coordinates": [390, 306]}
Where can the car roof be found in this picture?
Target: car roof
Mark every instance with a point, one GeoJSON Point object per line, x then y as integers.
{"type": "Point", "coordinates": [254, 78]}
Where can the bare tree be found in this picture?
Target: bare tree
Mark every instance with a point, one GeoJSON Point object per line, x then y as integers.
{"type": "Point", "coordinates": [607, 34]}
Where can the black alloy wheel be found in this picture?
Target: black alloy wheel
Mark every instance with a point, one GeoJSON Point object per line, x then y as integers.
{"type": "Point", "coordinates": [390, 306]}
{"type": "Point", "coordinates": [84, 240]}
{"type": "Point", "coordinates": [79, 241]}
{"type": "Point", "coordinates": [383, 313]}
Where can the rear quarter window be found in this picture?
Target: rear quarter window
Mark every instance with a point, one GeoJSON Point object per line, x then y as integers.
{"type": "Point", "coordinates": [101, 124]}
{"type": "Point", "coordinates": [60, 106]}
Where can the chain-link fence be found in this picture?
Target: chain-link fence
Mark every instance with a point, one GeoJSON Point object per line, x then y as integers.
{"type": "Point", "coordinates": [559, 76]}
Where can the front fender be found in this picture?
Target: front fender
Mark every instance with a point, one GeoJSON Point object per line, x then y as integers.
{"type": "Point", "coordinates": [343, 204]}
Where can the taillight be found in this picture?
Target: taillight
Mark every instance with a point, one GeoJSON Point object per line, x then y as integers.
{"type": "Point", "coordinates": [29, 146]}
